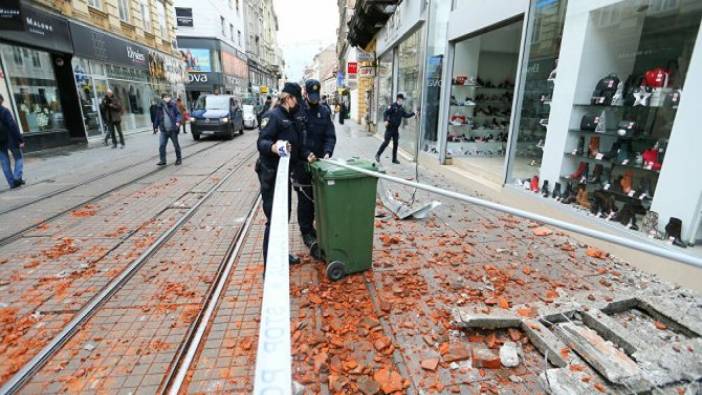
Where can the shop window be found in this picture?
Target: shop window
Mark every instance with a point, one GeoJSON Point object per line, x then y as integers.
{"type": "Point", "coordinates": [384, 73]}
{"type": "Point", "coordinates": [482, 89]}
{"type": "Point", "coordinates": [34, 89]}
{"type": "Point", "coordinates": [631, 78]}
{"type": "Point", "coordinates": [409, 84]}
{"type": "Point", "coordinates": [538, 74]}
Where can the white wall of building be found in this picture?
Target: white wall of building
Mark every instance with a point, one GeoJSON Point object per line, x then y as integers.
{"type": "Point", "coordinates": [207, 21]}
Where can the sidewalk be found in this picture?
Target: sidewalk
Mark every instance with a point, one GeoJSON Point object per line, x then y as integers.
{"type": "Point", "coordinates": [447, 294]}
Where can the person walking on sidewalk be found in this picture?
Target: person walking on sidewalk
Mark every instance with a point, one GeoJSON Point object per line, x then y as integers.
{"type": "Point", "coordinates": [319, 142]}
{"type": "Point", "coordinates": [180, 105]}
{"type": "Point", "coordinates": [168, 121]}
{"type": "Point", "coordinates": [112, 107]}
{"type": "Point", "coordinates": [280, 136]}
{"type": "Point", "coordinates": [393, 118]}
{"type": "Point", "coordinates": [266, 106]}
{"type": "Point", "coordinates": [10, 141]}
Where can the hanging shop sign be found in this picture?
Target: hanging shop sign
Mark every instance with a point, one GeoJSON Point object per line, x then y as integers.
{"type": "Point", "coordinates": [94, 44]}
{"type": "Point", "coordinates": [352, 68]}
{"type": "Point", "coordinates": [263, 89]}
{"type": "Point", "coordinates": [11, 15]}
{"type": "Point", "coordinates": [367, 71]}
{"type": "Point", "coordinates": [363, 56]}
{"type": "Point", "coordinates": [184, 16]}
{"type": "Point", "coordinates": [34, 27]}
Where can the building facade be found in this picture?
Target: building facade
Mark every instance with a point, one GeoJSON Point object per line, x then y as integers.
{"type": "Point", "coordinates": [58, 59]}
{"type": "Point", "coordinates": [323, 69]}
{"type": "Point", "coordinates": [594, 100]}
{"type": "Point", "coordinates": [212, 40]}
{"type": "Point", "coordinates": [265, 58]}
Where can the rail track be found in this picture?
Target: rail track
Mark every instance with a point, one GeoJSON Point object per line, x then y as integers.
{"type": "Point", "coordinates": [77, 323]}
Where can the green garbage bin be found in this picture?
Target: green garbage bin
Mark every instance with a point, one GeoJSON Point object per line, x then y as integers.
{"type": "Point", "coordinates": [345, 213]}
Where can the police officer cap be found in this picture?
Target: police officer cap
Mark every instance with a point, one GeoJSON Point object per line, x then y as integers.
{"type": "Point", "coordinates": [293, 89]}
{"type": "Point", "coordinates": [312, 89]}
{"type": "Point", "coordinates": [400, 96]}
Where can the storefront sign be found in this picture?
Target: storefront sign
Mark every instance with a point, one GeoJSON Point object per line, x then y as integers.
{"type": "Point", "coordinates": [184, 16]}
{"type": "Point", "coordinates": [352, 68]}
{"type": "Point", "coordinates": [363, 56]}
{"type": "Point", "coordinates": [367, 71]}
{"type": "Point", "coordinates": [94, 44]}
{"type": "Point", "coordinates": [39, 29]}
{"type": "Point", "coordinates": [263, 89]}
{"type": "Point", "coordinates": [198, 77]}
{"type": "Point", "coordinates": [10, 15]}
{"type": "Point", "coordinates": [197, 59]}
{"type": "Point", "coordinates": [409, 13]}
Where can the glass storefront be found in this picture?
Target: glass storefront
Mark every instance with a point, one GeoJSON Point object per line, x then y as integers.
{"type": "Point", "coordinates": [409, 83]}
{"type": "Point", "coordinates": [482, 89]}
{"type": "Point", "coordinates": [385, 98]}
{"type": "Point", "coordinates": [33, 88]}
{"type": "Point", "coordinates": [128, 84]}
{"type": "Point", "coordinates": [538, 75]}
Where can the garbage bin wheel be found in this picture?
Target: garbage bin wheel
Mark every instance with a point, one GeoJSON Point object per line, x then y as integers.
{"type": "Point", "coordinates": [316, 251]}
{"type": "Point", "coordinates": [335, 270]}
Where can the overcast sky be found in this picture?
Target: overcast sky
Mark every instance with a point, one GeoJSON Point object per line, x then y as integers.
{"type": "Point", "coordinates": [305, 27]}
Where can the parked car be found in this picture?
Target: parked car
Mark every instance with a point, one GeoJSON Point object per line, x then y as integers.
{"type": "Point", "coordinates": [250, 121]}
{"type": "Point", "coordinates": [219, 115]}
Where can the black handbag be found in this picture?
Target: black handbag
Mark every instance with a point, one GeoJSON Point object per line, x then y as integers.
{"type": "Point", "coordinates": [627, 128]}
{"type": "Point", "coordinates": [605, 90]}
{"type": "Point", "coordinates": [589, 123]}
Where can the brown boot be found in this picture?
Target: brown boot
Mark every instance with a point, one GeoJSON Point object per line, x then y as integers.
{"type": "Point", "coordinates": [627, 181]}
{"type": "Point", "coordinates": [594, 147]}
{"type": "Point", "coordinates": [583, 199]}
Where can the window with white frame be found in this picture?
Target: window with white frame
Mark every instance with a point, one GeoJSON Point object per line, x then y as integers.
{"type": "Point", "coordinates": [231, 31]}
{"type": "Point", "coordinates": [238, 34]}
{"type": "Point", "coordinates": [145, 14]}
{"type": "Point", "coordinates": [123, 6]}
{"type": "Point", "coordinates": [224, 28]}
{"type": "Point", "coordinates": [94, 3]}
{"type": "Point", "coordinates": [161, 15]}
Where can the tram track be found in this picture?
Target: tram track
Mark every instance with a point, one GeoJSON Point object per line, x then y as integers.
{"type": "Point", "coordinates": [15, 383]}
{"type": "Point", "coordinates": [7, 239]}
{"type": "Point", "coordinates": [242, 158]}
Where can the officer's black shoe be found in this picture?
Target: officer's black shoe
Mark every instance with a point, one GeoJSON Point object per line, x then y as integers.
{"type": "Point", "coordinates": [21, 181]}
{"type": "Point", "coordinates": [293, 260]}
{"type": "Point", "coordinates": [15, 184]}
{"type": "Point", "coordinates": [395, 161]}
{"type": "Point", "coordinates": [309, 239]}
{"type": "Point", "coordinates": [161, 164]}
{"type": "Point", "coordinates": [377, 158]}
{"type": "Point", "coordinates": [178, 162]}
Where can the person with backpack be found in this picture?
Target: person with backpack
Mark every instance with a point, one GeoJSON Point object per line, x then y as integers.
{"type": "Point", "coordinates": [10, 141]}
{"type": "Point", "coordinates": [112, 107]}
{"type": "Point", "coordinates": [168, 121]}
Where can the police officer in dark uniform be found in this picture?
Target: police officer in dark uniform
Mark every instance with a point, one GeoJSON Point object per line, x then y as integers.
{"type": "Point", "coordinates": [319, 142]}
{"type": "Point", "coordinates": [279, 132]}
{"type": "Point", "coordinates": [393, 118]}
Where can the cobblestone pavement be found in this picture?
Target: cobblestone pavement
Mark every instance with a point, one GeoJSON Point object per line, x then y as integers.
{"type": "Point", "coordinates": [56, 268]}
{"type": "Point", "coordinates": [62, 180]}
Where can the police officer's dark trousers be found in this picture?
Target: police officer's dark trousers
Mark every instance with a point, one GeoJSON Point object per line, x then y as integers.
{"type": "Point", "coordinates": [305, 200]}
{"type": "Point", "coordinates": [390, 133]}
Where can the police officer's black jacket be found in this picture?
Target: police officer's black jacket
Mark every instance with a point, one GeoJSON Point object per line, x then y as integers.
{"type": "Point", "coordinates": [278, 124]}
{"type": "Point", "coordinates": [319, 137]}
{"type": "Point", "coordinates": [394, 114]}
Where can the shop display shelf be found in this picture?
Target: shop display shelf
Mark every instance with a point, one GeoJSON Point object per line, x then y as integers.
{"type": "Point", "coordinates": [616, 107]}
{"type": "Point", "coordinates": [625, 197]}
{"type": "Point", "coordinates": [495, 88]}
{"type": "Point", "coordinates": [613, 133]}
{"type": "Point", "coordinates": [612, 163]}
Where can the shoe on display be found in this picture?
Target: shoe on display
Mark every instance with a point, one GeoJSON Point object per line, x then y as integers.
{"type": "Point", "coordinates": [534, 184]}
{"type": "Point", "coordinates": [580, 171]}
{"type": "Point", "coordinates": [469, 103]}
{"type": "Point", "coordinates": [596, 174]}
{"type": "Point", "coordinates": [594, 147]}
{"type": "Point", "coordinates": [556, 191]}
{"type": "Point", "coordinates": [544, 189]}
{"type": "Point", "coordinates": [673, 231]}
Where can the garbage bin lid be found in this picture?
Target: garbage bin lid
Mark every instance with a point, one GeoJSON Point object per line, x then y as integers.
{"type": "Point", "coordinates": [329, 171]}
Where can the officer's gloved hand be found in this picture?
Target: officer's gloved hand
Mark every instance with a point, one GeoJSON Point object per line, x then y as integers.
{"type": "Point", "coordinates": [327, 156]}
{"type": "Point", "coordinates": [281, 148]}
{"type": "Point", "coordinates": [311, 157]}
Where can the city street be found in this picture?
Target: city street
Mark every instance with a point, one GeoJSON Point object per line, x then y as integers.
{"type": "Point", "coordinates": [350, 197]}
{"type": "Point", "coordinates": [404, 326]}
